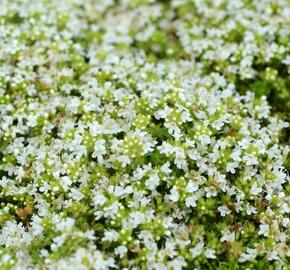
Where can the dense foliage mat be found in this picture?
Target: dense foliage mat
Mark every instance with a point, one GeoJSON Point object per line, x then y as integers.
{"type": "Point", "coordinates": [138, 135]}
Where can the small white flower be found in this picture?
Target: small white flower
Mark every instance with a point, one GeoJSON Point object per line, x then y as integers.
{"type": "Point", "coordinates": [75, 194]}
{"type": "Point", "coordinates": [273, 256]}
{"type": "Point", "coordinates": [121, 251]}
{"type": "Point", "coordinates": [185, 117]}
{"type": "Point", "coordinates": [31, 120]}
{"type": "Point", "coordinates": [181, 163]}
{"type": "Point", "coordinates": [250, 209]}
{"type": "Point", "coordinates": [110, 236]}
{"type": "Point", "coordinates": [165, 168]}
{"type": "Point", "coordinates": [191, 186]}
{"type": "Point", "coordinates": [248, 256]}
{"type": "Point", "coordinates": [196, 251]}
{"type": "Point", "coordinates": [57, 242]}
{"type": "Point", "coordinates": [228, 237]}
{"type": "Point", "coordinates": [264, 229]}
{"type": "Point", "coordinates": [204, 140]}
{"type": "Point", "coordinates": [65, 182]}
{"type": "Point", "coordinates": [210, 253]}
{"type": "Point", "coordinates": [223, 210]}
{"type": "Point", "coordinates": [153, 181]}
{"type": "Point", "coordinates": [174, 194]}
{"type": "Point", "coordinates": [231, 166]}
{"type": "Point", "coordinates": [44, 188]}
{"type": "Point", "coordinates": [193, 154]}
{"type": "Point", "coordinates": [124, 160]}
{"type": "Point", "coordinates": [65, 224]}
{"type": "Point", "coordinates": [100, 150]}
{"type": "Point", "coordinates": [250, 159]}
{"type": "Point", "coordinates": [99, 199]}
{"type": "Point", "coordinates": [255, 190]}
{"type": "Point", "coordinates": [236, 155]}
{"type": "Point", "coordinates": [244, 143]}
{"type": "Point", "coordinates": [190, 201]}
{"type": "Point", "coordinates": [210, 192]}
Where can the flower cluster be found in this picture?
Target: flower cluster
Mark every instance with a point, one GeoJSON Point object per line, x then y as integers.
{"type": "Point", "coordinates": [131, 136]}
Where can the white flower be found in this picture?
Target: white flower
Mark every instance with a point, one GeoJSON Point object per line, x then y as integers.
{"type": "Point", "coordinates": [65, 225]}
{"type": "Point", "coordinates": [174, 130]}
{"type": "Point", "coordinates": [228, 237]}
{"type": "Point", "coordinates": [124, 160]}
{"type": "Point", "coordinates": [210, 253]}
{"type": "Point", "coordinates": [273, 256]}
{"type": "Point", "coordinates": [166, 148]}
{"type": "Point", "coordinates": [162, 113]}
{"type": "Point", "coordinates": [193, 154]}
{"type": "Point", "coordinates": [4, 181]}
{"type": "Point", "coordinates": [110, 236]}
{"type": "Point", "coordinates": [255, 190]}
{"type": "Point", "coordinates": [37, 228]}
{"type": "Point", "coordinates": [285, 208]}
{"type": "Point", "coordinates": [248, 256]}
{"type": "Point", "coordinates": [57, 242]}
{"type": "Point", "coordinates": [121, 251]}
{"type": "Point", "coordinates": [153, 181]}
{"type": "Point", "coordinates": [231, 166]}
{"type": "Point", "coordinates": [65, 182]}
{"type": "Point", "coordinates": [191, 186]}
{"type": "Point", "coordinates": [196, 251]}
{"type": "Point", "coordinates": [177, 263]}
{"type": "Point", "coordinates": [223, 210]}
{"type": "Point", "coordinates": [190, 201]}
{"type": "Point", "coordinates": [235, 155]}
{"type": "Point", "coordinates": [75, 194]}
{"type": "Point", "coordinates": [99, 199]}
{"type": "Point", "coordinates": [181, 163]}
{"type": "Point", "coordinates": [210, 192]}
{"type": "Point", "coordinates": [100, 150]}
{"type": "Point", "coordinates": [137, 218]}
{"type": "Point", "coordinates": [264, 229]}
{"type": "Point", "coordinates": [31, 120]}
{"type": "Point", "coordinates": [20, 173]}
{"type": "Point", "coordinates": [111, 210]}
{"type": "Point", "coordinates": [218, 124]}
{"type": "Point", "coordinates": [14, 235]}
{"type": "Point", "coordinates": [250, 159]}
{"type": "Point", "coordinates": [174, 194]}
{"type": "Point", "coordinates": [165, 168]}
{"type": "Point", "coordinates": [72, 105]}
{"type": "Point", "coordinates": [250, 209]}
{"type": "Point", "coordinates": [185, 117]}
{"type": "Point", "coordinates": [45, 188]}
{"type": "Point", "coordinates": [244, 143]}
{"type": "Point", "coordinates": [204, 140]}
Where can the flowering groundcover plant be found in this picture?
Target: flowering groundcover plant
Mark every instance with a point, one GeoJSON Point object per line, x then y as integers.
{"type": "Point", "coordinates": [138, 135]}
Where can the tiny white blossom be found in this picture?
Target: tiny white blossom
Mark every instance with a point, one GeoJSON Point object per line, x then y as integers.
{"type": "Point", "coordinates": [248, 256]}
{"type": "Point", "coordinates": [190, 201]}
{"type": "Point", "coordinates": [255, 190]}
{"type": "Point", "coordinates": [121, 251]}
{"type": "Point", "coordinates": [223, 210]}
{"type": "Point", "coordinates": [228, 237]}
{"type": "Point", "coordinates": [197, 250]}
{"type": "Point", "coordinates": [264, 229]}
{"type": "Point", "coordinates": [99, 199]}
{"type": "Point", "coordinates": [165, 168]}
{"type": "Point", "coordinates": [153, 181]}
{"type": "Point", "coordinates": [174, 194]}
{"type": "Point", "coordinates": [210, 253]}
{"type": "Point", "coordinates": [192, 186]}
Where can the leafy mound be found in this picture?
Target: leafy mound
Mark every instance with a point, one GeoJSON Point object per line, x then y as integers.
{"type": "Point", "coordinates": [129, 139]}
